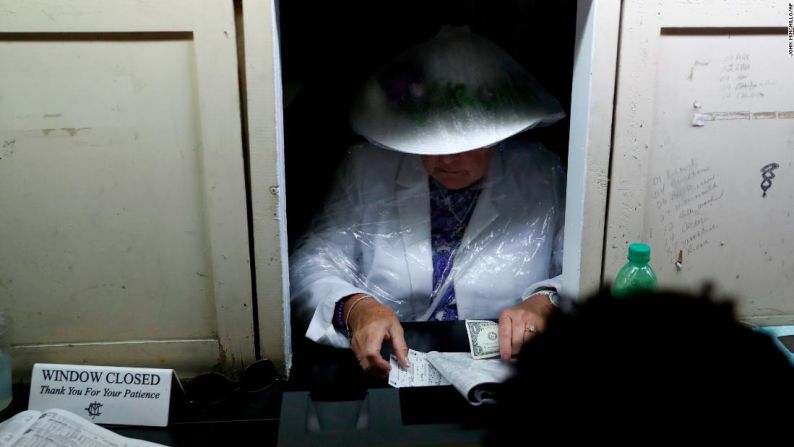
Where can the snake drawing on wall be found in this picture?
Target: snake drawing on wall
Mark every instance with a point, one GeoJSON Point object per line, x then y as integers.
{"type": "Point", "coordinates": [768, 173]}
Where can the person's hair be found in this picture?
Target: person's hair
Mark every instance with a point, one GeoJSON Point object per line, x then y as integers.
{"type": "Point", "coordinates": [665, 363]}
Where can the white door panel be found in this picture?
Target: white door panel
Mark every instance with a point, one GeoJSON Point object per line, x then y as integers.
{"type": "Point", "coordinates": [123, 227]}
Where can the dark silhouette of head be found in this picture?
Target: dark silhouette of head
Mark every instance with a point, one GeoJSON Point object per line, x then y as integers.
{"type": "Point", "coordinates": [650, 365]}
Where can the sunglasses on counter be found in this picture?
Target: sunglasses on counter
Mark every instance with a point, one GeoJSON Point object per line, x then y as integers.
{"type": "Point", "coordinates": [214, 387]}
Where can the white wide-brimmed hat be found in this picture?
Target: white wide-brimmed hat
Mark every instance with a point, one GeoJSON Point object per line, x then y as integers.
{"type": "Point", "coordinates": [453, 93]}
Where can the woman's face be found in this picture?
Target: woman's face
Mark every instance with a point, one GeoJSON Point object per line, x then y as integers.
{"type": "Point", "coordinates": [458, 171]}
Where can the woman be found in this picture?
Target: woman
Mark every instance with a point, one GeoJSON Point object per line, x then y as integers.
{"type": "Point", "coordinates": [438, 216]}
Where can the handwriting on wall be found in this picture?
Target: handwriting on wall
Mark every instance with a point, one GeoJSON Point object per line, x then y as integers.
{"type": "Point", "coordinates": [683, 197]}
{"type": "Point", "coordinates": [737, 79]}
{"type": "Point", "coordinates": [739, 84]}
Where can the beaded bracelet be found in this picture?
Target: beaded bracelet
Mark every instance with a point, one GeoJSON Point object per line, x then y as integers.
{"type": "Point", "coordinates": [338, 320]}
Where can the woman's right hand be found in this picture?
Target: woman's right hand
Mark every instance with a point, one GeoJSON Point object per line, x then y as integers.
{"type": "Point", "coordinates": [370, 323]}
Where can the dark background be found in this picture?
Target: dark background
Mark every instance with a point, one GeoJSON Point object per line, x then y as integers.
{"type": "Point", "coordinates": [329, 48]}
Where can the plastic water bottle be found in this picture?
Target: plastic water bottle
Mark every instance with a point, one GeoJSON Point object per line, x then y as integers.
{"type": "Point", "coordinates": [637, 275]}
{"type": "Point", "coordinates": [5, 363]}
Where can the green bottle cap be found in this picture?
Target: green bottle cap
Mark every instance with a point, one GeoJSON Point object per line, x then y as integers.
{"type": "Point", "coordinates": [639, 252]}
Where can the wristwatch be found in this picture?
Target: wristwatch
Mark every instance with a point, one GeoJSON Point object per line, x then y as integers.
{"type": "Point", "coordinates": [551, 294]}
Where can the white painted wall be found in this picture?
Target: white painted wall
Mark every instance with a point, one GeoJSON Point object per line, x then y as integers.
{"type": "Point", "coordinates": [696, 189]}
{"type": "Point", "coordinates": [266, 148]}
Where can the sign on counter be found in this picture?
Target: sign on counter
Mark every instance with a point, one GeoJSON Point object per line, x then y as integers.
{"type": "Point", "coordinates": [104, 394]}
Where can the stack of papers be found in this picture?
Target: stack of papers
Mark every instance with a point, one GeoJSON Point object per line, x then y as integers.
{"type": "Point", "coordinates": [475, 379]}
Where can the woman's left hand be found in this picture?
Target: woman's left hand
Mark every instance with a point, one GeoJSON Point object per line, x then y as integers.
{"type": "Point", "coordinates": [520, 323]}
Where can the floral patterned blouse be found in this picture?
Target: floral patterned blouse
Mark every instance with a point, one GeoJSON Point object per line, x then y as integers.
{"type": "Point", "coordinates": [450, 212]}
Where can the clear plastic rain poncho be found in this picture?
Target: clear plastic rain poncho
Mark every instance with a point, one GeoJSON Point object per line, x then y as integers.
{"type": "Point", "coordinates": [379, 233]}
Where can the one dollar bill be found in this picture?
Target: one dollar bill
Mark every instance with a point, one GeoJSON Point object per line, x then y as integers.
{"type": "Point", "coordinates": [483, 338]}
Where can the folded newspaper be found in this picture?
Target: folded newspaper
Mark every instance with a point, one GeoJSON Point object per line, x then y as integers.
{"type": "Point", "coordinates": [60, 428]}
{"type": "Point", "coordinates": [475, 379]}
